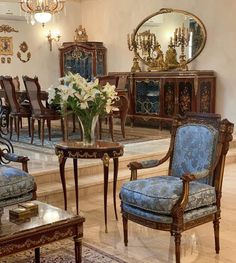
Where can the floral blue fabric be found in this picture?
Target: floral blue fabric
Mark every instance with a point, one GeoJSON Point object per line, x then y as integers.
{"type": "Point", "coordinates": [159, 194]}
{"type": "Point", "coordinates": [188, 216]}
{"type": "Point", "coordinates": [14, 183]}
{"type": "Point", "coordinates": [194, 149]}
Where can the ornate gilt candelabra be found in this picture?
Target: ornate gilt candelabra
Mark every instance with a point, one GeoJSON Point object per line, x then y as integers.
{"type": "Point", "coordinates": [133, 46]}
{"type": "Point", "coordinates": [181, 38]}
{"type": "Point", "coordinates": [147, 43]}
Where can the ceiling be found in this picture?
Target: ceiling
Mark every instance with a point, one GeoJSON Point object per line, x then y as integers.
{"type": "Point", "coordinates": [10, 10]}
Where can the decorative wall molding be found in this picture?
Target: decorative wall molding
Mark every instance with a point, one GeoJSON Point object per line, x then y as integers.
{"type": "Point", "coordinates": [7, 29]}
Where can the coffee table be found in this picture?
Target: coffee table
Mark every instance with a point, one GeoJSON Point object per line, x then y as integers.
{"type": "Point", "coordinates": [51, 224]}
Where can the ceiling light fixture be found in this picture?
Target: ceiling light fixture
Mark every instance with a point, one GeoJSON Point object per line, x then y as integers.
{"type": "Point", "coordinates": [41, 10]}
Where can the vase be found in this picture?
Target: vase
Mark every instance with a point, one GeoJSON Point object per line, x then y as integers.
{"type": "Point", "coordinates": [88, 126]}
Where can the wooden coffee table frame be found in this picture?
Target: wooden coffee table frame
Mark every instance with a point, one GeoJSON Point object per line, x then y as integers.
{"type": "Point", "coordinates": [42, 235]}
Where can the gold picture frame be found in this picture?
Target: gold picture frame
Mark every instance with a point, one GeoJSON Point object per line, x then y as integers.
{"type": "Point", "coordinates": [6, 46]}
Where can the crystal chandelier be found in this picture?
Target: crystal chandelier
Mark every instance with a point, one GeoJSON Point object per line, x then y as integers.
{"type": "Point", "coordinates": [41, 10]}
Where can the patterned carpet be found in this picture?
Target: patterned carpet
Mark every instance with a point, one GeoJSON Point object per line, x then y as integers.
{"type": "Point", "coordinates": [131, 137]}
{"type": "Point", "coordinates": [63, 252]}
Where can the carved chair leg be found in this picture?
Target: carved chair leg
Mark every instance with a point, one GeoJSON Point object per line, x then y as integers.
{"type": "Point", "coordinates": [42, 130]}
{"type": "Point", "coordinates": [177, 246]}
{"type": "Point", "coordinates": [39, 128]}
{"type": "Point", "coordinates": [216, 224]}
{"type": "Point", "coordinates": [32, 130]}
{"type": "Point", "coordinates": [49, 129]}
{"type": "Point", "coordinates": [125, 229]}
{"type": "Point", "coordinates": [18, 127]}
{"type": "Point", "coordinates": [29, 129]}
{"type": "Point", "coordinates": [122, 122]}
{"type": "Point", "coordinates": [111, 126]}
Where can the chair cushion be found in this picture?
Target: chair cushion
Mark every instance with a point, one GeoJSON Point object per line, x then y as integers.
{"type": "Point", "coordinates": [194, 150]}
{"type": "Point", "coordinates": [159, 194]}
{"type": "Point", "coordinates": [14, 182]}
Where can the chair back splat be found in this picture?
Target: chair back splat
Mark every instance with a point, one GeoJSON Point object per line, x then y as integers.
{"type": "Point", "coordinates": [191, 192]}
{"type": "Point", "coordinates": [17, 111]}
{"type": "Point", "coordinates": [39, 111]}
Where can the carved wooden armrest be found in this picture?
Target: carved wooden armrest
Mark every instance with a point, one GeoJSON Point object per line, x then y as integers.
{"type": "Point", "coordinates": [178, 209]}
{"type": "Point", "coordinates": [195, 176]}
{"type": "Point", "coordinates": [12, 157]}
{"type": "Point", "coordinates": [134, 166]}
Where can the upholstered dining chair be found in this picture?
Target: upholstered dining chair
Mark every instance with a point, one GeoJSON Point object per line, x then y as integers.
{"type": "Point", "coordinates": [17, 111]}
{"type": "Point", "coordinates": [122, 104]}
{"type": "Point", "coordinates": [191, 193]}
{"type": "Point", "coordinates": [39, 111]}
{"type": "Point", "coordinates": [16, 185]}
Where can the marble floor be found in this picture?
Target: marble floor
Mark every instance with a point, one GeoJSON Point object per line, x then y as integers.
{"type": "Point", "coordinates": [147, 245]}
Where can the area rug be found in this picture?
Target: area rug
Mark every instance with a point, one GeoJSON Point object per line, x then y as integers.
{"type": "Point", "coordinates": [63, 252]}
{"type": "Point", "coordinates": [24, 140]}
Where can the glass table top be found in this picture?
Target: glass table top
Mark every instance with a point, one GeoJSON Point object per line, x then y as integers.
{"type": "Point", "coordinates": [47, 215]}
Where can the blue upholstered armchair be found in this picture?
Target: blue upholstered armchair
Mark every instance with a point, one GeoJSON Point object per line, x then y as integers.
{"type": "Point", "coordinates": [16, 185]}
{"type": "Point", "coordinates": [190, 195]}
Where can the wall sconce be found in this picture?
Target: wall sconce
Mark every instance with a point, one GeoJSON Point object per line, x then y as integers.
{"type": "Point", "coordinates": [53, 36]}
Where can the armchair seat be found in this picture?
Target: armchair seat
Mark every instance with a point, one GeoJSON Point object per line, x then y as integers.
{"type": "Point", "coordinates": [15, 185]}
{"type": "Point", "coordinates": [159, 194]}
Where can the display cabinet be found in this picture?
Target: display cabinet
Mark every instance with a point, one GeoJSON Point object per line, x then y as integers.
{"type": "Point", "coordinates": [86, 58]}
{"type": "Point", "coordinates": [161, 95]}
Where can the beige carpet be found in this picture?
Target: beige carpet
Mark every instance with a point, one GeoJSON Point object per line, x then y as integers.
{"type": "Point", "coordinates": [63, 252]}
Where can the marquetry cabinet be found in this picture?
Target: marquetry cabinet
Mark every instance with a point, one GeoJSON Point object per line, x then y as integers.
{"type": "Point", "coordinates": [161, 95]}
{"type": "Point", "coordinates": [86, 58]}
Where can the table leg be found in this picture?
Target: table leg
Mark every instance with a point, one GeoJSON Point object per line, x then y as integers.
{"type": "Point", "coordinates": [76, 184]}
{"type": "Point", "coordinates": [116, 165]}
{"type": "Point", "coordinates": [37, 254]}
{"type": "Point", "coordinates": [62, 161]}
{"type": "Point", "coordinates": [106, 171]}
{"type": "Point", "coordinates": [78, 249]}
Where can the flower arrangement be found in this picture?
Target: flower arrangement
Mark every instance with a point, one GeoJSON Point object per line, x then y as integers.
{"type": "Point", "coordinates": [87, 100]}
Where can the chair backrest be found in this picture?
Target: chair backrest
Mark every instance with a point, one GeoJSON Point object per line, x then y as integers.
{"type": "Point", "coordinates": [33, 90]}
{"type": "Point", "coordinates": [198, 143]}
{"type": "Point", "coordinates": [16, 83]}
{"type": "Point", "coordinates": [122, 82]}
{"type": "Point", "coordinates": [113, 80]}
{"type": "Point", "coordinates": [9, 88]}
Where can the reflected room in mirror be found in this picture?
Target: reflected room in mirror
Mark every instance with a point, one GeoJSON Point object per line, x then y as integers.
{"type": "Point", "coordinates": [168, 39]}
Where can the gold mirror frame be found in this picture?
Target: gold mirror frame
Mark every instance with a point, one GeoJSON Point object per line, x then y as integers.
{"type": "Point", "coordinates": [170, 10]}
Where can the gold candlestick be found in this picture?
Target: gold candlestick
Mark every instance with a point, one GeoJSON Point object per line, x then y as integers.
{"type": "Point", "coordinates": [181, 38]}
{"type": "Point", "coordinates": [133, 46]}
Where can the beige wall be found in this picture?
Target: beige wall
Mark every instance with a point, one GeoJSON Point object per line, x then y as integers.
{"type": "Point", "coordinates": [43, 63]}
{"type": "Point", "coordinates": [110, 21]}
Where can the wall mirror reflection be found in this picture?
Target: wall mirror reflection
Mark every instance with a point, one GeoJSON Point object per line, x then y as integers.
{"type": "Point", "coordinates": [168, 39]}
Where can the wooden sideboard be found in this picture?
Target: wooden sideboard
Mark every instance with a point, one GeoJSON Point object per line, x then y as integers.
{"type": "Point", "coordinates": [86, 58]}
{"type": "Point", "coordinates": [161, 95]}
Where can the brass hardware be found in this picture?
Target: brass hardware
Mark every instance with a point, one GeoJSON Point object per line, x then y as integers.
{"type": "Point", "coordinates": [106, 159]}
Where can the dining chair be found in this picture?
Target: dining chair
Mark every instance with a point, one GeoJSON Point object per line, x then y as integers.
{"type": "Point", "coordinates": [39, 111]}
{"type": "Point", "coordinates": [190, 195]}
{"type": "Point", "coordinates": [17, 111]}
{"type": "Point", "coordinates": [122, 104]}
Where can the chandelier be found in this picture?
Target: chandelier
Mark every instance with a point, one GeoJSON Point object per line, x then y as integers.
{"type": "Point", "coordinates": [41, 10]}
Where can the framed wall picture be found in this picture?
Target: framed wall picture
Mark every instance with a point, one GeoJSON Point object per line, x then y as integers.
{"type": "Point", "coordinates": [6, 46]}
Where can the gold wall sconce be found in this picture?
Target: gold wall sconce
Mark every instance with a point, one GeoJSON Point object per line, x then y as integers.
{"type": "Point", "coordinates": [53, 36]}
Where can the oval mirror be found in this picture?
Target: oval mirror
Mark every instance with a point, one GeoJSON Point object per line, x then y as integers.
{"type": "Point", "coordinates": [166, 27]}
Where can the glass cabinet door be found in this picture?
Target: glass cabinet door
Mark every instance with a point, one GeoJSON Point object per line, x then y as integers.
{"type": "Point", "coordinates": [147, 97]}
